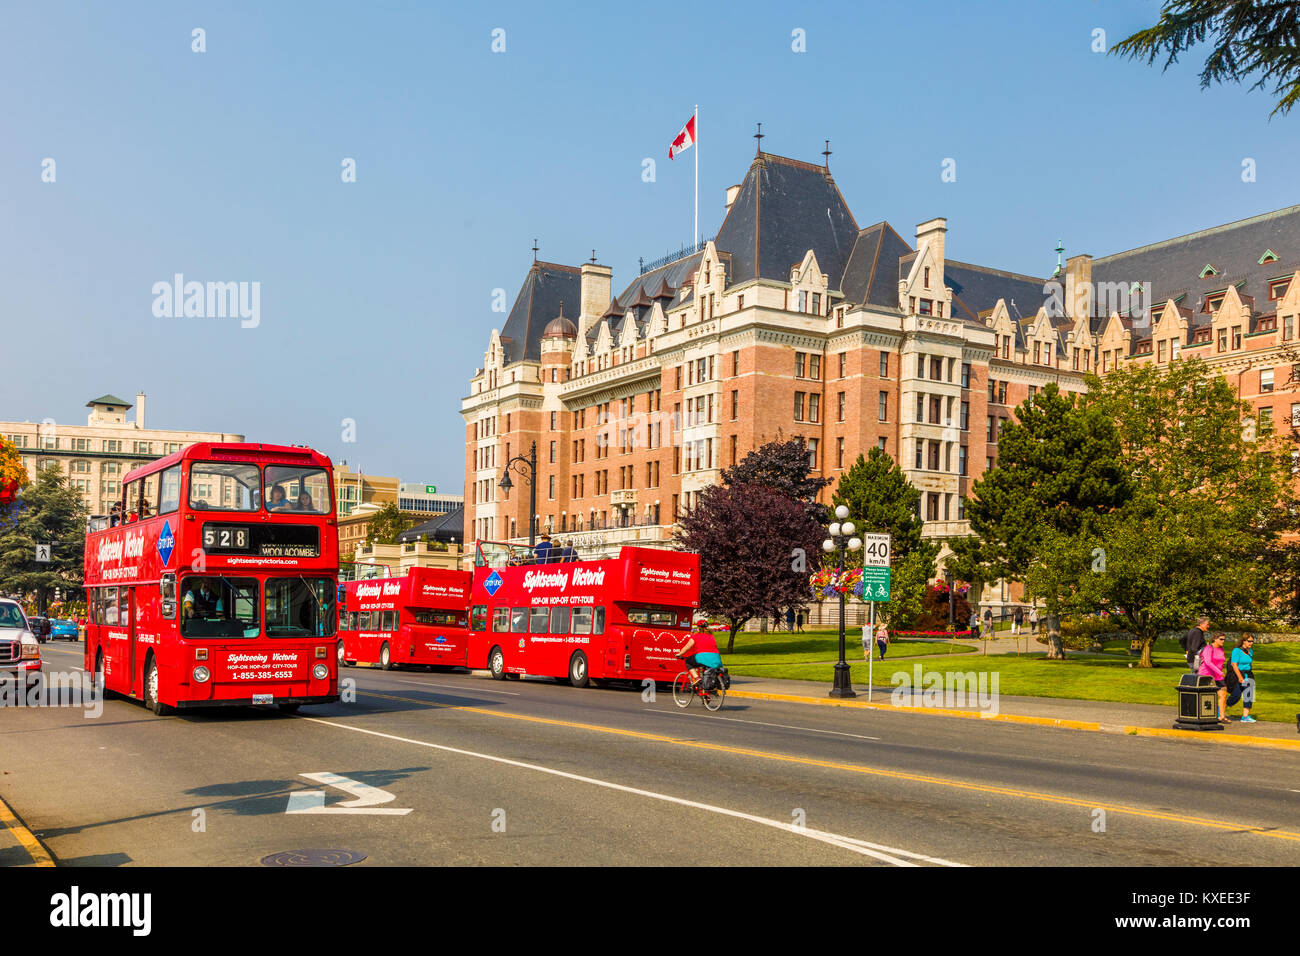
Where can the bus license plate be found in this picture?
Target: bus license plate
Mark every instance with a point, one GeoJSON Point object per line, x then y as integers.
{"type": "Point", "coordinates": [263, 698]}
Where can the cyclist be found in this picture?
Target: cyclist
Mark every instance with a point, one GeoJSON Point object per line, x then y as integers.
{"type": "Point", "coordinates": [705, 647]}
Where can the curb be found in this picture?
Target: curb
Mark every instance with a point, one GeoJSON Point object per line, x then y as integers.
{"type": "Point", "coordinates": [35, 849]}
{"type": "Point", "coordinates": [1240, 740]}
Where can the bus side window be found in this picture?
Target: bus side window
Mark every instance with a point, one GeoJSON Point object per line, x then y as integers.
{"type": "Point", "coordinates": [519, 620]}
{"type": "Point", "coordinates": [582, 620]}
{"type": "Point", "coordinates": [501, 620]}
{"type": "Point", "coordinates": [110, 606]}
{"type": "Point", "coordinates": [559, 620]}
{"type": "Point", "coordinates": [598, 621]}
{"type": "Point", "coordinates": [149, 495]}
{"type": "Point", "coordinates": [169, 497]}
{"type": "Point", "coordinates": [479, 620]}
{"type": "Point", "coordinates": [388, 621]}
{"type": "Point", "coordinates": [537, 620]}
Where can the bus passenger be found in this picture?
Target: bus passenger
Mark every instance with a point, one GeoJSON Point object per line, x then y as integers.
{"type": "Point", "coordinates": [542, 554]}
{"type": "Point", "coordinates": [276, 500]}
{"type": "Point", "coordinates": [304, 501]}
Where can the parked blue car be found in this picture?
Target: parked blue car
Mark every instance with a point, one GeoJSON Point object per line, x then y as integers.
{"type": "Point", "coordinates": [60, 629]}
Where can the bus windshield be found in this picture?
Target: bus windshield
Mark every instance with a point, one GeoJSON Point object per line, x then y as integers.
{"type": "Point", "coordinates": [224, 486]}
{"type": "Point", "coordinates": [297, 489]}
{"type": "Point", "coordinates": [214, 606]}
{"type": "Point", "coordinates": [300, 607]}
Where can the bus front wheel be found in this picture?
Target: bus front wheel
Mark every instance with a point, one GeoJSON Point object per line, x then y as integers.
{"type": "Point", "coordinates": [578, 676]}
{"type": "Point", "coordinates": [151, 688]}
{"type": "Point", "coordinates": [497, 664]}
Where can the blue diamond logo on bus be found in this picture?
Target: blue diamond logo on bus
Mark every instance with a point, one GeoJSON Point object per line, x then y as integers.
{"type": "Point", "coordinates": [166, 541]}
{"type": "Point", "coordinates": [492, 583]}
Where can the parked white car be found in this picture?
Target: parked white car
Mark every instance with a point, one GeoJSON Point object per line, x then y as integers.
{"type": "Point", "coordinates": [20, 653]}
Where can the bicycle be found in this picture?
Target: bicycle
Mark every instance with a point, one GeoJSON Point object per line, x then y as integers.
{"type": "Point", "coordinates": [685, 690]}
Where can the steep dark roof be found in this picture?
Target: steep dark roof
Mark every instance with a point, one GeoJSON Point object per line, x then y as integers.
{"type": "Point", "coordinates": [976, 289]}
{"type": "Point", "coordinates": [871, 274]}
{"type": "Point", "coordinates": [786, 207]}
{"type": "Point", "coordinates": [443, 528]}
{"type": "Point", "coordinates": [1173, 267]}
{"type": "Point", "coordinates": [540, 299]}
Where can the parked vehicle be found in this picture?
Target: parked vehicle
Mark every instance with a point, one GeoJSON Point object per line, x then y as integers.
{"type": "Point", "coordinates": [20, 652]}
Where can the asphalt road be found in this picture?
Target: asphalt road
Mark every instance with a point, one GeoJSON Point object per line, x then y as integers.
{"type": "Point", "coordinates": [533, 772]}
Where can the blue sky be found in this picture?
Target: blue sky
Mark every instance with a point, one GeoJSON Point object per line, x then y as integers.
{"type": "Point", "coordinates": [376, 296]}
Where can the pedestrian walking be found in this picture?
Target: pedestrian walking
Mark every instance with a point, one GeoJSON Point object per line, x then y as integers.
{"type": "Point", "coordinates": [1033, 619]}
{"type": "Point", "coordinates": [789, 619]}
{"type": "Point", "coordinates": [1193, 641]}
{"type": "Point", "coordinates": [882, 639]}
{"type": "Point", "coordinates": [1212, 663]}
{"type": "Point", "coordinates": [1240, 677]}
{"type": "Point", "coordinates": [1016, 620]}
{"type": "Point", "coordinates": [866, 642]}
{"type": "Point", "coordinates": [974, 624]}
{"type": "Point", "coordinates": [988, 623]}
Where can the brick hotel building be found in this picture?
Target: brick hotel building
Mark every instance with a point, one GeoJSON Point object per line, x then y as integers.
{"type": "Point", "coordinates": [794, 321]}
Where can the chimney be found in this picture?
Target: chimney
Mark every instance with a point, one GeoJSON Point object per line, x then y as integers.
{"type": "Point", "coordinates": [1078, 286]}
{"type": "Point", "coordinates": [139, 409]}
{"type": "Point", "coordinates": [934, 232]}
{"type": "Point", "coordinates": [732, 193]}
{"type": "Point", "coordinates": [596, 281]}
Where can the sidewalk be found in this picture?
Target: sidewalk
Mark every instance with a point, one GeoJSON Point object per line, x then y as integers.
{"type": "Point", "coordinates": [1088, 715]}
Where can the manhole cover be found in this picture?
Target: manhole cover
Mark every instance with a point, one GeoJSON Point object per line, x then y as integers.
{"type": "Point", "coordinates": [313, 858]}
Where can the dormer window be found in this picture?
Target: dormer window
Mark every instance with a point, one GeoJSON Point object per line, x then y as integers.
{"type": "Point", "coordinates": [1209, 270]}
{"type": "Point", "coordinates": [1213, 302]}
{"type": "Point", "coordinates": [1278, 288]}
{"type": "Point", "coordinates": [1268, 256]}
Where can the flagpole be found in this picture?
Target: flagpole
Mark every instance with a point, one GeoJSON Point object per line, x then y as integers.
{"type": "Point", "coordinates": [696, 238]}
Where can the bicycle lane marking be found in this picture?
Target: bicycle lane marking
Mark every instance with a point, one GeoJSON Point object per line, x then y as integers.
{"type": "Point", "coordinates": [876, 851]}
{"type": "Point", "coordinates": [873, 771]}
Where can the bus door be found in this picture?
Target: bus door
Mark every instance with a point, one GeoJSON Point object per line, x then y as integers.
{"type": "Point", "coordinates": [517, 652]}
{"type": "Point", "coordinates": [128, 615]}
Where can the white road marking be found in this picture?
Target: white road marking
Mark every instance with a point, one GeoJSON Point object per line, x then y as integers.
{"type": "Point", "coordinates": [365, 797]}
{"type": "Point", "coordinates": [761, 723]}
{"type": "Point", "coordinates": [876, 851]}
{"type": "Point", "coordinates": [426, 683]}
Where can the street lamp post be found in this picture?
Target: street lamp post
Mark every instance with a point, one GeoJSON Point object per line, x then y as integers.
{"type": "Point", "coordinates": [839, 541]}
{"type": "Point", "coordinates": [526, 466]}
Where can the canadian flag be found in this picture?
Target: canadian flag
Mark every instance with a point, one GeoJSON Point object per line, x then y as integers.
{"type": "Point", "coordinates": [685, 139]}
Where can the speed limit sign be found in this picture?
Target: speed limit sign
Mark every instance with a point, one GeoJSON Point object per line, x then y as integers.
{"type": "Point", "coordinates": [875, 550]}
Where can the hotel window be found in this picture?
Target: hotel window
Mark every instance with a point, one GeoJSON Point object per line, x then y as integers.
{"type": "Point", "coordinates": [1288, 327]}
{"type": "Point", "coordinates": [812, 454]}
{"type": "Point", "coordinates": [936, 369]}
{"type": "Point", "coordinates": [920, 454]}
{"type": "Point", "coordinates": [1236, 336]}
{"type": "Point", "coordinates": [965, 416]}
{"type": "Point", "coordinates": [815, 367]}
{"type": "Point", "coordinates": [1176, 349]}
{"type": "Point", "coordinates": [927, 307]}
{"type": "Point", "coordinates": [817, 303]}
{"type": "Point", "coordinates": [735, 363]}
{"type": "Point", "coordinates": [839, 318]}
{"type": "Point", "coordinates": [1266, 421]}
{"type": "Point", "coordinates": [552, 453]}
{"type": "Point", "coordinates": [920, 408]}
{"type": "Point", "coordinates": [927, 277]}
{"type": "Point", "coordinates": [920, 366]}
{"type": "Point", "coordinates": [1295, 413]}
{"type": "Point", "coordinates": [931, 506]}
{"type": "Point", "coordinates": [1266, 380]}
{"type": "Point", "coordinates": [839, 453]}
{"type": "Point", "coordinates": [884, 365]}
{"type": "Point", "coordinates": [882, 407]}
{"type": "Point", "coordinates": [798, 406]}
{"type": "Point", "coordinates": [992, 435]}
{"type": "Point", "coordinates": [934, 456]}
{"type": "Point", "coordinates": [965, 375]}
{"type": "Point", "coordinates": [1277, 288]}
{"type": "Point", "coordinates": [961, 459]}
{"type": "Point", "coordinates": [798, 364]}
{"type": "Point", "coordinates": [814, 406]}
{"type": "Point", "coordinates": [843, 356]}
{"type": "Point", "coordinates": [552, 489]}
{"type": "Point", "coordinates": [840, 412]}
{"type": "Point", "coordinates": [735, 404]}
{"type": "Point", "coordinates": [961, 508]}
{"type": "Point", "coordinates": [733, 449]}
{"type": "Point", "coordinates": [740, 302]}
{"type": "Point", "coordinates": [880, 443]}
{"type": "Point", "coordinates": [678, 381]}
{"type": "Point", "coordinates": [1006, 346]}
{"type": "Point", "coordinates": [1160, 351]}
{"type": "Point", "coordinates": [1223, 340]}
{"type": "Point", "coordinates": [912, 303]}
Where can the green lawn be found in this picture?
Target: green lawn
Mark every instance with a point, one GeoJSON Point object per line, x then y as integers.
{"type": "Point", "coordinates": [766, 650]}
{"type": "Point", "coordinates": [1107, 678]}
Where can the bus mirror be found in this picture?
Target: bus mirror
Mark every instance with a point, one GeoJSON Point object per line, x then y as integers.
{"type": "Point", "coordinates": [167, 592]}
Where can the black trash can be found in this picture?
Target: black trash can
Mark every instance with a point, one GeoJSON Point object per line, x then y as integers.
{"type": "Point", "coordinates": [1198, 703]}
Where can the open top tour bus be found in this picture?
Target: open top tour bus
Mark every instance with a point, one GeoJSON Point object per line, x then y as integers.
{"type": "Point", "coordinates": [617, 619]}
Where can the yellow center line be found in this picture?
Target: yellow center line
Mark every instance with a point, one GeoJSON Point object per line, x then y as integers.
{"type": "Point", "coordinates": [24, 836]}
{"type": "Point", "coordinates": [862, 769]}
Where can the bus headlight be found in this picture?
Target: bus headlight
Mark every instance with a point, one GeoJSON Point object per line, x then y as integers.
{"type": "Point", "coordinates": [320, 672]}
{"type": "Point", "coordinates": [201, 674]}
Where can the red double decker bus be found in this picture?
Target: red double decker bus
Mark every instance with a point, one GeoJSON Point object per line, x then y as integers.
{"type": "Point", "coordinates": [419, 619]}
{"type": "Point", "coordinates": [617, 619]}
{"type": "Point", "coordinates": [213, 580]}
